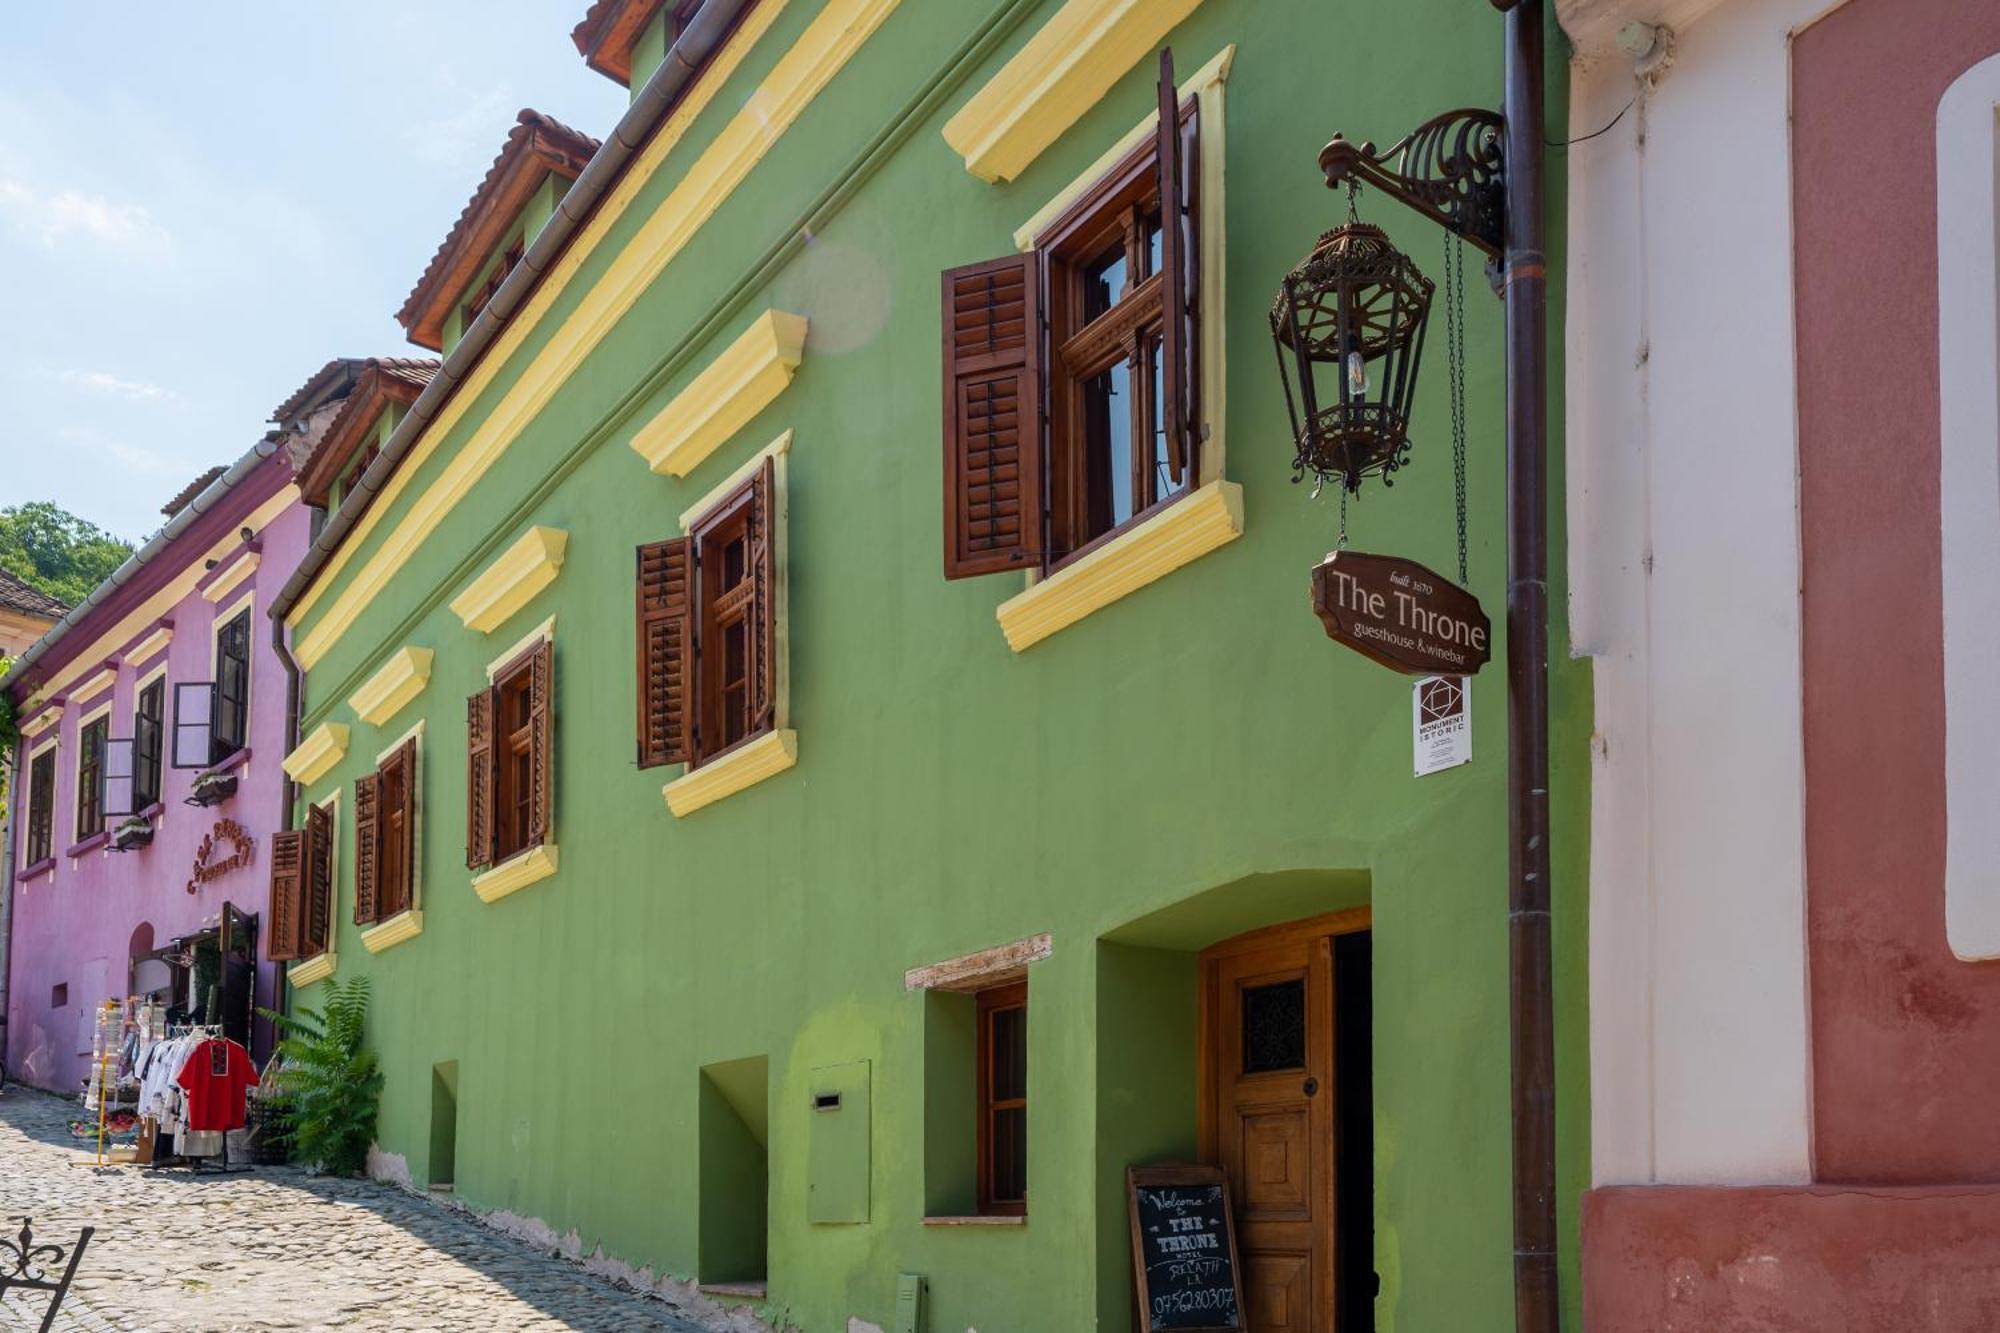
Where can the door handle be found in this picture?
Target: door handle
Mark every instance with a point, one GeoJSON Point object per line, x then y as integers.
{"type": "Point", "coordinates": [1312, 1087]}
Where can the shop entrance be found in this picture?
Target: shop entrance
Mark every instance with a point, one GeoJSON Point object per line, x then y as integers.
{"type": "Point", "coordinates": [1287, 1112]}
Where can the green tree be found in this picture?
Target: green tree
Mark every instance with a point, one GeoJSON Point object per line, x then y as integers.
{"type": "Point", "coordinates": [56, 551]}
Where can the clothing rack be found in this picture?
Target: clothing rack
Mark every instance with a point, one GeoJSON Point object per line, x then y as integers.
{"type": "Point", "coordinates": [207, 1031]}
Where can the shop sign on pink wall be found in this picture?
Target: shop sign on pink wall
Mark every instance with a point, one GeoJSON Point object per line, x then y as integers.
{"type": "Point", "coordinates": [210, 862]}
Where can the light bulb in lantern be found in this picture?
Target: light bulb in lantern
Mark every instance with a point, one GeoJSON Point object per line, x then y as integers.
{"type": "Point", "coordinates": [1357, 374]}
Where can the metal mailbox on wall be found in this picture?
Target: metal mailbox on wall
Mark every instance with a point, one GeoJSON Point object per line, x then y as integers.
{"type": "Point", "coordinates": [837, 1145]}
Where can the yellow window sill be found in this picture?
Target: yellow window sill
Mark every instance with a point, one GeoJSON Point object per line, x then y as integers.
{"type": "Point", "coordinates": [317, 753]}
{"type": "Point", "coordinates": [516, 872]}
{"type": "Point", "coordinates": [1185, 530]}
{"type": "Point", "coordinates": [978, 1220]}
{"type": "Point", "coordinates": [317, 968]}
{"type": "Point", "coordinates": [741, 382]}
{"type": "Point", "coordinates": [388, 934]}
{"type": "Point", "coordinates": [771, 753]}
{"type": "Point", "coordinates": [1061, 73]}
{"type": "Point", "coordinates": [401, 679]}
{"type": "Point", "coordinates": [511, 582]}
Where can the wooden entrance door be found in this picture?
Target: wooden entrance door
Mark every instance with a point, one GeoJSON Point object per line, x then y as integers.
{"type": "Point", "coordinates": [1269, 1113]}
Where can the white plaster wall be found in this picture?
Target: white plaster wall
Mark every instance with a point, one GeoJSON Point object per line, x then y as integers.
{"type": "Point", "coordinates": [1684, 555]}
{"type": "Point", "coordinates": [1968, 176]}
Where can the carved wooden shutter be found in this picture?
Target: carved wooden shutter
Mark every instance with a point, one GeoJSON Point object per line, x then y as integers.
{"type": "Point", "coordinates": [317, 879]}
{"type": "Point", "coordinates": [367, 847]}
{"type": "Point", "coordinates": [287, 861]}
{"type": "Point", "coordinates": [398, 894]}
{"type": "Point", "coordinates": [479, 775]}
{"type": "Point", "coordinates": [541, 741]}
{"type": "Point", "coordinates": [763, 544]}
{"type": "Point", "coordinates": [1174, 250]}
{"type": "Point", "coordinates": [666, 652]}
{"type": "Point", "coordinates": [992, 417]}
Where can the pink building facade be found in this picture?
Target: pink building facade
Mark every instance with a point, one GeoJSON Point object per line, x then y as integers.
{"type": "Point", "coordinates": [165, 678]}
{"type": "Point", "coordinates": [1784, 497]}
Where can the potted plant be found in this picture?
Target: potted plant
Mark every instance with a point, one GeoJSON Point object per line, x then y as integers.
{"type": "Point", "coordinates": [212, 787]}
{"type": "Point", "coordinates": [134, 831]}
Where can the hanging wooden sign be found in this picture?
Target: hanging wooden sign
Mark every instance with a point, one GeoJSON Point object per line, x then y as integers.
{"type": "Point", "coordinates": [1400, 614]}
{"type": "Point", "coordinates": [209, 860]}
{"type": "Point", "coordinates": [1184, 1250]}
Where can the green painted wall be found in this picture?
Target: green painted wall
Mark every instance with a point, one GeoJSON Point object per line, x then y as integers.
{"type": "Point", "coordinates": [1191, 762]}
{"type": "Point", "coordinates": [535, 214]}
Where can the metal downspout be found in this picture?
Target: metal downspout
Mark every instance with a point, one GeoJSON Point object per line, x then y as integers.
{"type": "Point", "coordinates": [1537, 1295]}
{"type": "Point", "coordinates": [7, 889]}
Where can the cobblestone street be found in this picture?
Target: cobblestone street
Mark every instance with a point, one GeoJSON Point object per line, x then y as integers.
{"type": "Point", "coordinates": [274, 1248]}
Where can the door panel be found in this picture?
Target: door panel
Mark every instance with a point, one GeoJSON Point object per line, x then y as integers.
{"type": "Point", "coordinates": [1272, 1080]}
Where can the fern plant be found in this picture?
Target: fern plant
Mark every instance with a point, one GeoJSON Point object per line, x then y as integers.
{"type": "Point", "coordinates": [327, 1085]}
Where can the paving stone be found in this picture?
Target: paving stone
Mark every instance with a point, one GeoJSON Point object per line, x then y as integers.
{"type": "Point", "coordinates": [272, 1248]}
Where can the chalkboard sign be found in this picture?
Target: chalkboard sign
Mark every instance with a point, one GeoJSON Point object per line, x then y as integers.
{"type": "Point", "coordinates": [1184, 1249]}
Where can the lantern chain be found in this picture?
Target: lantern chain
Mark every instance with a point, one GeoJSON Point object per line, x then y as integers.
{"type": "Point", "coordinates": [1454, 318]}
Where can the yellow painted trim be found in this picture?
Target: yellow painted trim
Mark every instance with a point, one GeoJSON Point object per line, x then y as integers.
{"type": "Point", "coordinates": [511, 582]}
{"type": "Point", "coordinates": [517, 872]}
{"type": "Point", "coordinates": [317, 753]}
{"type": "Point", "coordinates": [822, 50]}
{"type": "Point", "coordinates": [231, 578]}
{"type": "Point", "coordinates": [778, 449]}
{"type": "Point", "coordinates": [1062, 72]}
{"type": "Point", "coordinates": [316, 968]}
{"type": "Point", "coordinates": [545, 630]}
{"type": "Point", "coordinates": [150, 610]}
{"type": "Point", "coordinates": [48, 717]}
{"type": "Point", "coordinates": [769, 754]}
{"type": "Point", "coordinates": [405, 925]}
{"type": "Point", "coordinates": [103, 680]}
{"type": "Point", "coordinates": [721, 400]}
{"type": "Point", "coordinates": [151, 644]}
{"type": "Point", "coordinates": [401, 678]}
{"type": "Point", "coordinates": [1185, 530]}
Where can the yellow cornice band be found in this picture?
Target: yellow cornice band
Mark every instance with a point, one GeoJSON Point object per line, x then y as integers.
{"type": "Point", "coordinates": [401, 678]}
{"type": "Point", "coordinates": [511, 582]}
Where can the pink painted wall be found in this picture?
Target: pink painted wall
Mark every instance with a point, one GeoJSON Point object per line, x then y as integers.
{"type": "Point", "coordinates": [75, 925]}
{"type": "Point", "coordinates": [1905, 1036]}
{"type": "Point", "coordinates": [1792, 1260]}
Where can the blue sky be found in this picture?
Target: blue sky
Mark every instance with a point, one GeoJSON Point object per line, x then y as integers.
{"type": "Point", "coordinates": [202, 202]}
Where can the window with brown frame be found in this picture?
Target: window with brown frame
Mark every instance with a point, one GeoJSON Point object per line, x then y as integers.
{"type": "Point", "coordinates": [90, 777]}
{"type": "Point", "coordinates": [508, 759]}
{"type": "Point", "coordinates": [41, 806]}
{"type": "Point", "coordinates": [149, 720]}
{"type": "Point", "coordinates": [1070, 370]}
{"type": "Point", "coordinates": [385, 827]}
{"type": "Point", "coordinates": [302, 888]}
{"type": "Point", "coordinates": [232, 688]}
{"type": "Point", "coordinates": [707, 630]}
{"type": "Point", "coordinates": [1003, 1100]}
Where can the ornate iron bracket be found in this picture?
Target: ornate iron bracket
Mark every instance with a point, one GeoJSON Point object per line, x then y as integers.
{"type": "Point", "coordinates": [1449, 169]}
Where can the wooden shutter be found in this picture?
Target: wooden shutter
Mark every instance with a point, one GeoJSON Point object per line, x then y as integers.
{"type": "Point", "coordinates": [666, 652]}
{"type": "Point", "coordinates": [479, 779]}
{"type": "Point", "coordinates": [398, 896]}
{"type": "Point", "coordinates": [992, 417]}
{"type": "Point", "coordinates": [367, 847]}
{"type": "Point", "coordinates": [1173, 268]}
{"type": "Point", "coordinates": [317, 878]}
{"type": "Point", "coordinates": [541, 740]}
{"type": "Point", "coordinates": [763, 543]}
{"type": "Point", "coordinates": [287, 880]}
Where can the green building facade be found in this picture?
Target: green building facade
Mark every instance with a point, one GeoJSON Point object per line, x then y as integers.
{"type": "Point", "coordinates": [724, 1023]}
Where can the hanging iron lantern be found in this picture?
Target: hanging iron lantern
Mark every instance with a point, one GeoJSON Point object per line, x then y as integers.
{"type": "Point", "coordinates": [1349, 327]}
